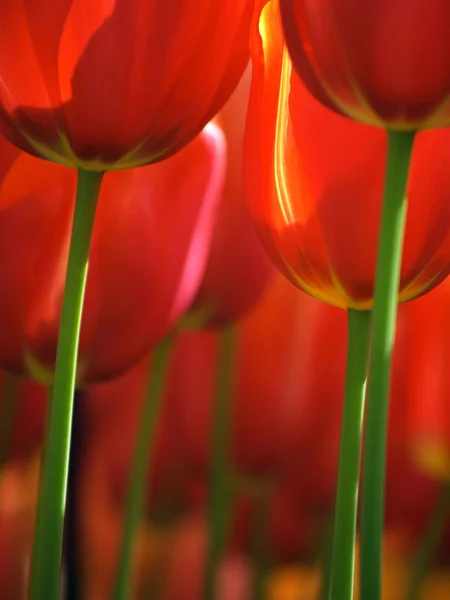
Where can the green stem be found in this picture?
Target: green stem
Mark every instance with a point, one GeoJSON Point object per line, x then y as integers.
{"type": "Point", "coordinates": [46, 558]}
{"type": "Point", "coordinates": [430, 542]}
{"type": "Point", "coordinates": [343, 557]}
{"type": "Point", "coordinates": [384, 320]}
{"type": "Point", "coordinates": [261, 555]}
{"type": "Point", "coordinates": [140, 467]}
{"type": "Point", "coordinates": [220, 493]}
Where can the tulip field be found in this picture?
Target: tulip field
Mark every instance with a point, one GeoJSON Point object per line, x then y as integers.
{"type": "Point", "coordinates": [224, 300]}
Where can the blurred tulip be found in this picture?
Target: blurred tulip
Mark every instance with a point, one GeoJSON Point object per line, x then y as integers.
{"type": "Point", "coordinates": [278, 398]}
{"type": "Point", "coordinates": [22, 417]}
{"type": "Point", "coordinates": [238, 270]}
{"type": "Point", "coordinates": [18, 492]}
{"type": "Point", "coordinates": [410, 490]}
{"type": "Point", "coordinates": [100, 528]}
{"type": "Point", "coordinates": [115, 410]}
{"type": "Point", "coordinates": [289, 531]}
{"type": "Point", "coordinates": [149, 249]}
{"type": "Point", "coordinates": [315, 180]}
{"type": "Point", "coordinates": [285, 424]}
{"type": "Point", "coordinates": [379, 62]}
{"type": "Point", "coordinates": [116, 84]}
{"type": "Point", "coordinates": [427, 350]}
{"type": "Point", "coordinates": [184, 576]}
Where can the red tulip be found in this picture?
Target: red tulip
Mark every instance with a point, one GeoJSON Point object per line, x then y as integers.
{"type": "Point", "coordinates": [279, 399]}
{"type": "Point", "coordinates": [22, 420]}
{"type": "Point", "coordinates": [427, 347]}
{"type": "Point", "coordinates": [315, 181]}
{"type": "Point", "coordinates": [149, 249]}
{"type": "Point", "coordinates": [238, 270]}
{"type": "Point", "coordinates": [16, 532]}
{"type": "Point", "coordinates": [116, 84]}
{"type": "Point", "coordinates": [115, 410]}
{"type": "Point", "coordinates": [410, 489]}
{"type": "Point", "coordinates": [185, 572]}
{"type": "Point", "coordinates": [383, 62]}
{"type": "Point", "coordinates": [100, 525]}
{"type": "Point", "coordinates": [419, 452]}
{"type": "Point", "coordinates": [290, 529]}
{"type": "Point", "coordinates": [284, 398]}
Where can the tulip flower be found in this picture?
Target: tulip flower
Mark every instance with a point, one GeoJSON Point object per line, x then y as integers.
{"type": "Point", "coordinates": [22, 417]}
{"type": "Point", "coordinates": [260, 448]}
{"type": "Point", "coordinates": [149, 249]}
{"type": "Point", "coordinates": [169, 490]}
{"type": "Point", "coordinates": [427, 348]}
{"type": "Point", "coordinates": [187, 562]}
{"type": "Point", "coordinates": [99, 88]}
{"type": "Point", "coordinates": [315, 184]}
{"type": "Point", "coordinates": [315, 181]}
{"type": "Point", "coordinates": [118, 84]}
{"type": "Point", "coordinates": [380, 63]}
{"type": "Point", "coordinates": [291, 530]}
{"type": "Point", "coordinates": [285, 422]}
{"type": "Point", "coordinates": [18, 488]}
{"type": "Point", "coordinates": [277, 392]}
{"type": "Point", "coordinates": [269, 410]}
{"type": "Point", "coordinates": [169, 485]}
{"type": "Point", "coordinates": [238, 270]}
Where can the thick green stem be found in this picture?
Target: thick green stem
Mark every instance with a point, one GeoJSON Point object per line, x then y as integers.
{"type": "Point", "coordinates": [47, 549]}
{"type": "Point", "coordinates": [384, 320]}
{"type": "Point", "coordinates": [343, 558]}
{"type": "Point", "coordinates": [220, 493]}
{"type": "Point", "coordinates": [140, 467]}
{"type": "Point", "coordinates": [430, 542]}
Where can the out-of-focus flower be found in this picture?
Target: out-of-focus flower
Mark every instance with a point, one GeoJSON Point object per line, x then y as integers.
{"type": "Point", "coordinates": [18, 496]}
{"type": "Point", "coordinates": [185, 571]}
{"type": "Point", "coordinates": [315, 181]}
{"type": "Point", "coordinates": [116, 84]}
{"type": "Point", "coordinates": [238, 270]}
{"type": "Point", "coordinates": [286, 373]}
{"type": "Point", "coordinates": [426, 350]}
{"type": "Point", "coordinates": [114, 409]}
{"type": "Point", "coordinates": [22, 417]}
{"type": "Point", "coordinates": [285, 425]}
{"type": "Point", "coordinates": [274, 520]}
{"type": "Point", "coordinates": [150, 245]}
{"type": "Point", "coordinates": [410, 489]}
{"type": "Point", "coordinates": [379, 62]}
{"type": "Point", "coordinates": [100, 524]}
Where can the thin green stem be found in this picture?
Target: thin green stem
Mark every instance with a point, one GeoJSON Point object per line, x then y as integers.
{"type": "Point", "coordinates": [220, 492]}
{"type": "Point", "coordinates": [261, 553]}
{"type": "Point", "coordinates": [426, 550]}
{"type": "Point", "coordinates": [140, 467]}
{"type": "Point", "coordinates": [384, 320]}
{"type": "Point", "coordinates": [343, 557]}
{"type": "Point", "coordinates": [47, 548]}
